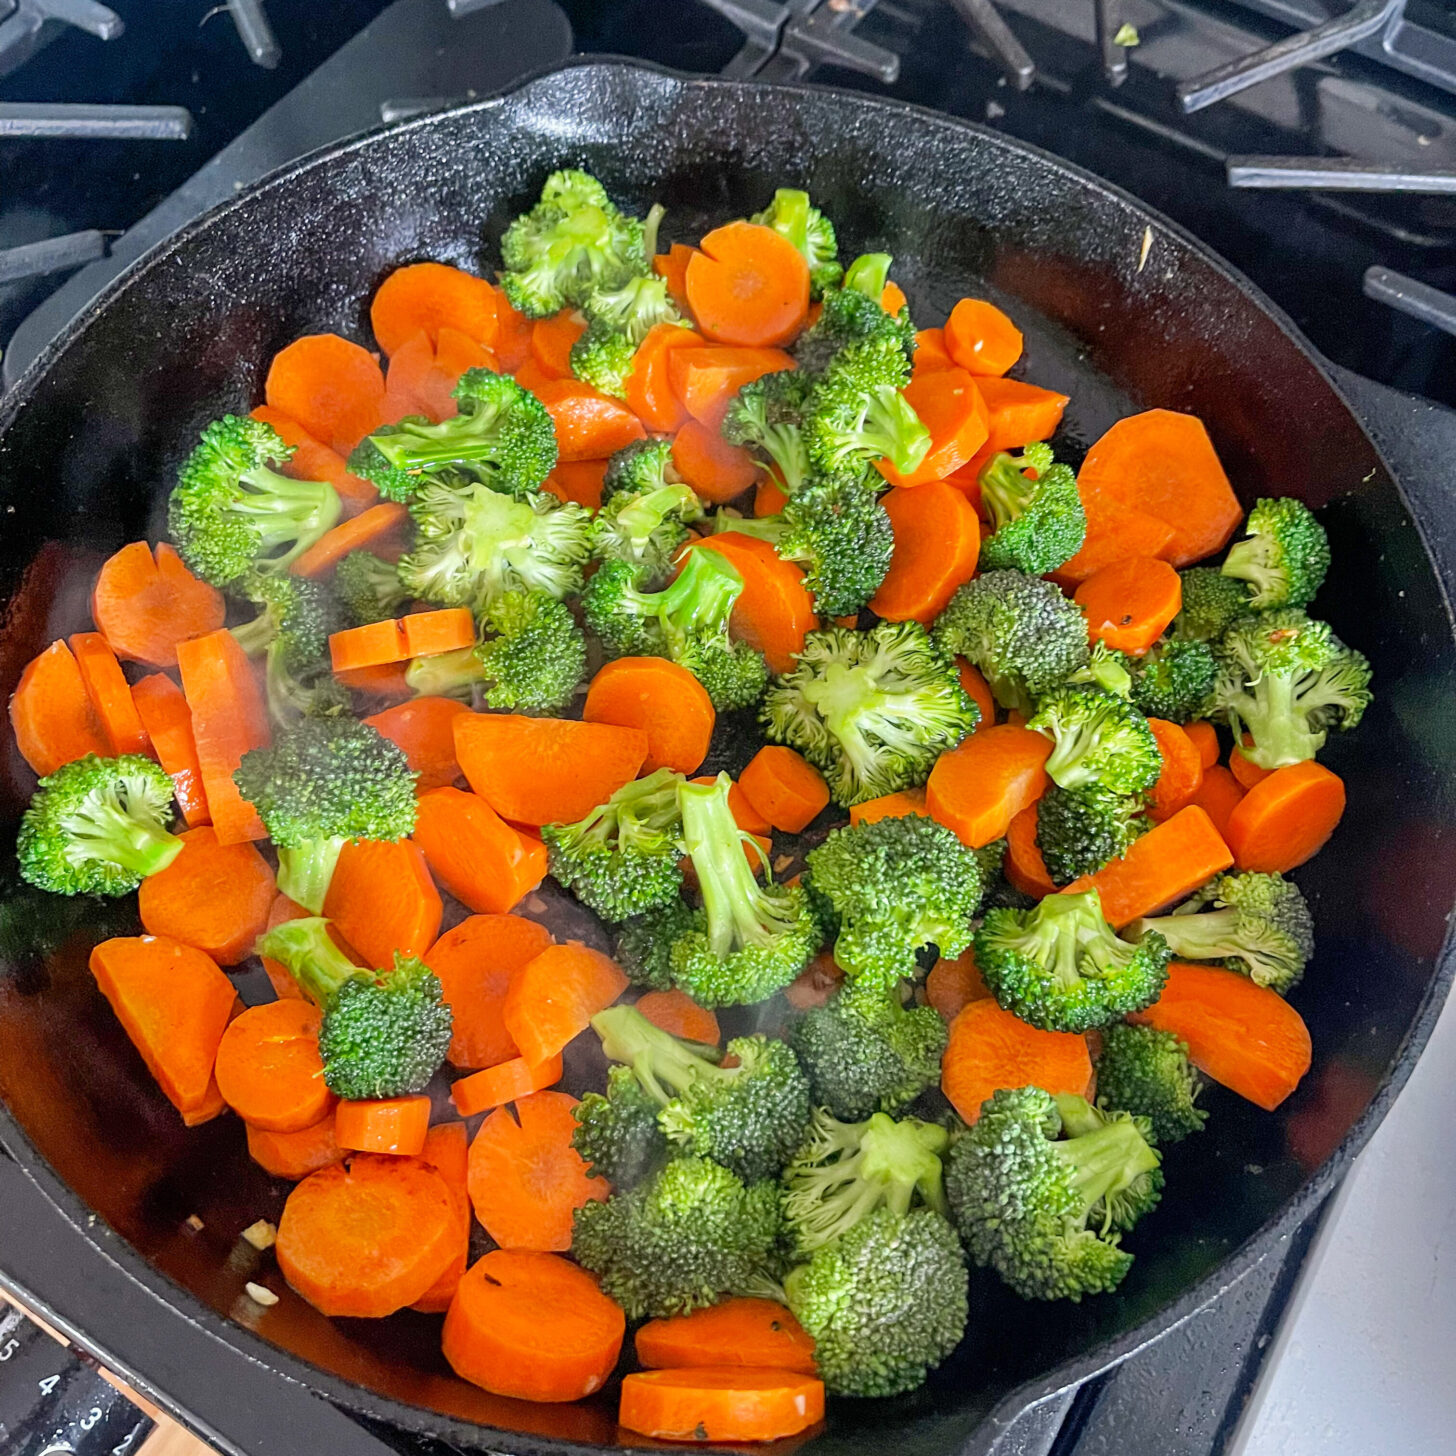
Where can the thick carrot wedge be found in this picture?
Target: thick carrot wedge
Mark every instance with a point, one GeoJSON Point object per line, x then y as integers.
{"type": "Point", "coordinates": [717, 471]}
{"type": "Point", "coordinates": [368, 531]}
{"type": "Point", "coordinates": [1024, 866]}
{"type": "Point", "coordinates": [168, 721]}
{"type": "Point", "coordinates": [480, 859]}
{"type": "Point", "coordinates": [505, 1082]}
{"type": "Point", "coordinates": [52, 714]}
{"type": "Point", "coordinates": [144, 604]}
{"type": "Point", "coordinates": [393, 1126]}
{"type": "Point", "coordinates": [785, 787]}
{"type": "Point", "coordinates": [990, 1048]}
{"type": "Point", "coordinates": [295, 1155]}
{"type": "Point", "coordinates": [1286, 818]}
{"type": "Point", "coordinates": [775, 610]}
{"type": "Point", "coordinates": [425, 729]}
{"type": "Point", "coordinates": [1020, 413]}
{"type": "Point", "coordinates": [110, 693]}
{"type": "Point", "coordinates": [552, 999]}
{"type": "Point", "coordinates": [383, 900]}
{"type": "Point", "coordinates": [976, 790]}
{"type": "Point", "coordinates": [213, 896]}
{"type": "Point", "coordinates": [721, 1403]}
{"type": "Point", "coordinates": [739, 1331]}
{"type": "Point", "coordinates": [1182, 774]}
{"type": "Point", "coordinates": [937, 541]}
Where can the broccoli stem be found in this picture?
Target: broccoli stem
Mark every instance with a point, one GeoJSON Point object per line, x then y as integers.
{"type": "Point", "coordinates": [1277, 722]}
{"type": "Point", "coordinates": [644, 514]}
{"type": "Point", "coordinates": [467, 438]}
{"type": "Point", "coordinates": [1210, 935]}
{"type": "Point", "coordinates": [286, 512]}
{"type": "Point", "coordinates": [650, 225]}
{"type": "Point", "coordinates": [307, 951]}
{"type": "Point", "coordinates": [703, 596]}
{"type": "Point", "coordinates": [890, 427]}
{"type": "Point", "coordinates": [1065, 765]}
{"type": "Point", "coordinates": [868, 274]}
{"type": "Point", "coordinates": [1249, 561]}
{"type": "Point", "coordinates": [304, 872]}
{"type": "Point", "coordinates": [714, 842]}
{"type": "Point", "coordinates": [256, 636]}
{"type": "Point", "coordinates": [1004, 490]}
{"type": "Point", "coordinates": [663, 1064]}
{"type": "Point", "coordinates": [105, 830]}
{"type": "Point", "coordinates": [445, 674]}
{"type": "Point", "coordinates": [1104, 1159]}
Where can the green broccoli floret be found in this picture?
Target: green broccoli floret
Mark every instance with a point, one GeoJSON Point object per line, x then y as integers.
{"type": "Point", "coordinates": [384, 1033]}
{"type": "Point", "coordinates": [322, 783]}
{"type": "Point", "coordinates": [622, 859]}
{"type": "Point", "coordinates": [1211, 601]}
{"type": "Point", "coordinates": [1080, 830]}
{"type": "Point", "coordinates": [617, 321]}
{"type": "Point", "coordinates": [856, 414]}
{"type": "Point", "coordinates": [749, 1117]}
{"type": "Point", "coordinates": [602, 357]}
{"type": "Point", "coordinates": [644, 512]}
{"type": "Point", "coordinates": [617, 1132]}
{"type": "Point", "coordinates": [1283, 557]}
{"type": "Point", "coordinates": [1099, 741]}
{"type": "Point", "coordinates": [1036, 512]}
{"type": "Point", "coordinates": [571, 244]}
{"type": "Point", "coordinates": [885, 1304]}
{"type": "Point", "coordinates": [98, 826]}
{"type": "Point", "coordinates": [693, 1234]}
{"type": "Point", "coordinates": [851, 315]}
{"type": "Point", "coordinates": [865, 1051]}
{"type": "Point", "coordinates": [1173, 680]}
{"type": "Point", "coordinates": [1286, 680]}
{"type": "Point", "coordinates": [292, 630]}
{"type": "Point", "coordinates": [1043, 1211]}
{"type": "Point", "coordinates": [231, 513]}
{"type": "Point", "coordinates": [645, 942]}
{"type": "Point", "coordinates": [895, 886]}
{"type": "Point", "coordinates": [767, 416]}
{"type": "Point", "coordinates": [754, 939]}
{"type": "Point", "coordinates": [472, 543]}
{"type": "Point", "coordinates": [369, 588]}
{"type": "Point", "coordinates": [643, 466]}
{"type": "Point", "coordinates": [503, 437]}
{"type": "Point", "coordinates": [1256, 924]}
{"type": "Point", "coordinates": [687, 621]}
{"type": "Point", "coordinates": [1108, 669]}
{"type": "Point", "coordinates": [872, 710]}
{"type": "Point", "coordinates": [794, 217]}
{"type": "Point", "coordinates": [1022, 633]}
{"type": "Point", "coordinates": [1061, 966]}
{"type": "Point", "coordinates": [1146, 1072]}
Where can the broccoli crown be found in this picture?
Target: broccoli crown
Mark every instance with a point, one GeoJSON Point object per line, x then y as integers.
{"type": "Point", "coordinates": [1061, 967]}
{"type": "Point", "coordinates": [622, 859]}
{"type": "Point", "coordinates": [850, 315]}
{"type": "Point", "coordinates": [1283, 557]}
{"type": "Point", "coordinates": [1211, 601]}
{"type": "Point", "coordinates": [896, 885]}
{"type": "Point", "coordinates": [472, 543]}
{"type": "Point", "coordinates": [1286, 680]}
{"type": "Point", "coordinates": [1108, 669]}
{"type": "Point", "coordinates": [753, 939]}
{"type": "Point", "coordinates": [692, 1234]}
{"type": "Point", "coordinates": [794, 217]}
{"type": "Point", "coordinates": [535, 655]}
{"type": "Point", "coordinates": [645, 942]}
{"type": "Point", "coordinates": [98, 826]}
{"type": "Point", "coordinates": [571, 244]}
{"type": "Point", "coordinates": [688, 621]}
{"type": "Point", "coordinates": [368, 588]}
{"type": "Point", "coordinates": [885, 1304]}
{"type": "Point", "coordinates": [643, 466]}
{"type": "Point", "coordinates": [868, 274]}
{"type": "Point", "coordinates": [645, 527]}
{"type": "Point", "coordinates": [1099, 741]}
{"type": "Point", "coordinates": [1259, 925]}
{"type": "Point", "coordinates": [1036, 512]}
{"type": "Point", "coordinates": [602, 357]}
{"type": "Point", "coordinates": [1080, 830]}
{"type": "Point", "coordinates": [1022, 633]}
{"type": "Point", "coordinates": [1044, 1211]}
{"type": "Point", "coordinates": [295, 619]}
{"type": "Point", "coordinates": [1146, 1072]}
{"type": "Point", "coordinates": [1174, 679]}
{"type": "Point", "coordinates": [502, 437]}
{"type": "Point", "coordinates": [632, 309]}
{"type": "Point", "coordinates": [865, 1051]}
{"type": "Point", "coordinates": [230, 514]}
{"type": "Point", "coordinates": [873, 710]}
{"type": "Point", "coordinates": [767, 416]}
{"type": "Point", "coordinates": [856, 414]}
{"type": "Point", "coordinates": [617, 1132]}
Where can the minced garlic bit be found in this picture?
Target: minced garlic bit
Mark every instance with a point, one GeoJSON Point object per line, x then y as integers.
{"type": "Point", "coordinates": [1146, 249]}
{"type": "Point", "coordinates": [261, 1294]}
{"type": "Point", "coordinates": [782, 863]}
{"type": "Point", "coordinates": [195, 1223]}
{"type": "Point", "coordinates": [262, 1235]}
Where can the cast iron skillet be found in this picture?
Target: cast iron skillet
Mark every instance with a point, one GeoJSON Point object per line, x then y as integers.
{"type": "Point", "coordinates": [1121, 310]}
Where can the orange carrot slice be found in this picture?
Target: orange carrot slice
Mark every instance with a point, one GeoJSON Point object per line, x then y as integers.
{"type": "Point", "coordinates": [990, 1049]}
{"type": "Point", "coordinates": [951, 408]}
{"type": "Point", "coordinates": [268, 1067]}
{"type": "Point", "coordinates": [313, 460]}
{"type": "Point", "coordinates": [110, 693]}
{"type": "Point", "coordinates": [168, 721]}
{"type": "Point", "coordinates": [1182, 773]}
{"type": "Point", "coordinates": [1286, 818]}
{"type": "Point", "coordinates": [736, 1331]}
{"type": "Point", "coordinates": [425, 729]}
{"type": "Point", "coordinates": [52, 715]}
{"type": "Point", "coordinates": [447, 1150]}
{"type": "Point", "coordinates": [370, 530]}
{"type": "Point", "coordinates": [383, 900]}
{"type": "Point", "coordinates": [976, 790]}
{"type": "Point", "coordinates": [648, 385]}
{"type": "Point", "coordinates": [393, 1126]}
{"type": "Point", "coordinates": [480, 859]}
{"type": "Point", "coordinates": [1024, 866]}
{"type": "Point", "coordinates": [951, 986]}
{"type": "Point", "coordinates": [1204, 737]}
{"type": "Point", "coordinates": [213, 896]}
{"type": "Point", "coordinates": [551, 341]}
{"type": "Point", "coordinates": [294, 1155]}
{"type": "Point", "coordinates": [589, 425]}
{"type": "Point", "coordinates": [502, 1083]}
{"type": "Point", "coordinates": [748, 285]}
{"type": "Point", "coordinates": [889, 806]}
{"type": "Point", "coordinates": [661, 698]}
{"type": "Point", "coordinates": [432, 296]}
{"type": "Point", "coordinates": [579, 481]}
{"type": "Point", "coordinates": [673, 266]}
{"type": "Point", "coordinates": [978, 690]}
{"type": "Point", "coordinates": [1130, 603]}
{"type": "Point", "coordinates": [1020, 413]}
{"type": "Point", "coordinates": [1113, 534]}
{"type": "Point", "coordinates": [553, 998]}
{"type": "Point", "coordinates": [716, 470]}
{"type": "Point", "coordinates": [706, 379]}
{"type": "Point", "coordinates": [937, 541]}
{"type": "Point", "coordinates": [785, 788]}
{"type": "Point", "coordinates": [332, 387]}
{"type": "Point", "coordinates": [774, 611]}
{"type": "Point", "coordinates": [1219, 796]}
{"type": "Point", "coordinates": [144, 604]}
{"type": "Point", "coordinates": [980, 338]}
{"type": "Point", "coordinates": [721, 1403]}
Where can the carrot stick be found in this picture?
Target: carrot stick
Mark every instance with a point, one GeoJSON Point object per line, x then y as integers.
{"type": "Point", "coordinates": [978, 690]}
{"type": "Point", "coordinates": [976, 790]}
{"type": "Point", "coordinates": [706, 379]}
{"type": "Point", "coordinates": [533, 1326]}
{"type": "Point", "coordinates": [589, 425]}
{"type": "Point", "coordinates": [174, 1004]}
{"type": "Point", "coordinates": [577, 480]}
{"type": "Point", "coordinates": [716, 470]}
{"type": "Point", "coordinates": [682, 1016]}
{"type": "Point", "coordinates": [1244, 769]}
{"type": "Point", "coordinates": [721, 1403]}
{"type": "Point", "coordinates": [228, 718]}
{"type": "Point", "coordinates": [931, 353]}
{"type": "Point", "coordinates": [650, 394]}
{"type": "Point", "coordinates": [1204, 737]}
{"type": "Point", "coordinates": [1245, 1036]}
{"type": "Point", "coordinates": [144, 605]}
{"type": "Point", "coordinates": [425, 729]}
{"type": "Point", "coordinates": [285, 988]}
{"type": "Point", "coordinates": [951, 408]}
{"type": "Point", "coordinates": [1286, 818]}
{"type": "Point", "coordinates": [951, 986]}
{"type": "Point", "coordinates": [1163, 463]}
{"type": "Point", "coordinates": [785, 788]}
{"type": "Point", "coordinates": [775, 611]}
{"type": "Point", "coordinates": [1113, 534]}
{"type": "Point", "coordinates": [1024, 866]}
{"type": "Point", "coordinates": [981, 339]}
{"type": "Point", "coordinates": [432, 296]}
{"type": "Point", "coordinates": [553, 998]}
{"type": "Point", "coordinates": [661, 698]}
{"type": "Point", "coordinates": [1130, 603]}
{"type": "Point", "coordinates": [551, 341]}
{"type": "Point", "coordinates": [383, 900]}
{"type": "Point", "coordinates": [110, 694]}
{"type": "Point", "coordinates": [408, 386]}
{"type": "Point", "coordinates": [1218, 796]}
{"type": "Point", "coordinates": [480, 859]}
{"type": "Point", "coordinates": [447, 1151]}
{"type": "Point", "coordinates": [673, 266]}
{"type": "Point", "coordinates": [574, 766]}
{"type": "Point", "coordinates": [1020, 413]}
{"type": "Point", "coordinates": [526, 1179]}
{"type": "Point", "coordinates": [268, 1067]}
{"type": "Point", "coordinates": [889, 806]}
{"type": "Point", "coordinates": [332, 387]}
{"type": "Point", "coordinates": [748, 285]}
{"type": "Point", "coordinates": [168, 722]}
{"type": "Point", "coordinates": [213, 896]}
{"type": "Point", "coordinates": [1182, 773]}
{"type": "Point", "coordinates": [1168, 862]}
{"type": "Point", "coordinates": [313, 460]}
{"type": "Point", "coordinates": [738, 1331]}
{"type": "Point", "coordinates": [513, 335]}
{"type": "Point", "coordinates": [367, 531]}
{"type": "Point", "coordinates": [990, 1049]}
{"type": "Point", "coordinates": [475, 962]}
{"type": "Point", "coordinates": [937, 540]}
{"type": "Point", "coordinates": [505, 1082]}
{"type": "Point", "coordinates": [52, 715]}
{"type": "Point", "coordinates": [294, 1155]}
{"type": "Point", "coordinates": [392, 1126]}
{"type": "Point", "coordinates": [368, 1236]}
{"type": "Point", "coordinates": [375, 644]}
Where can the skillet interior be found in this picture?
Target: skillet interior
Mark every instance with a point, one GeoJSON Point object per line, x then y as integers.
{"type": "Point", "coordinates": [89, 443]}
